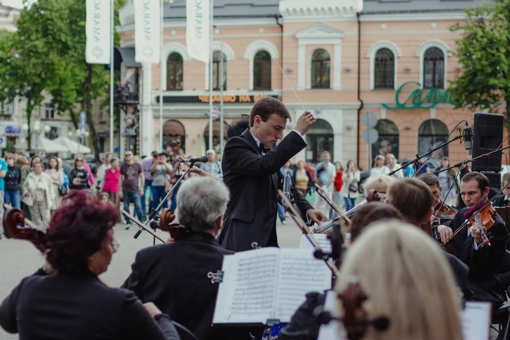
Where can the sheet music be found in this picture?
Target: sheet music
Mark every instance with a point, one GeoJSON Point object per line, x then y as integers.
{"type": "Point", "coordinates": [322, 239]}
{"type": "Point", "coordinates": [476, 320]}
{"type": "Point", "coordinates": [248, 288]}
{"type": "Point", "coordinates": [334, 329]}
{"type": "Point", "coordinates": [299, 273]}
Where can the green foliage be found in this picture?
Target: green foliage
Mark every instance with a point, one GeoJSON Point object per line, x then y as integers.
{"type": "Point", "coordinates": [484, 52]}
{"type": "Point", "coordinates": [47, 52]}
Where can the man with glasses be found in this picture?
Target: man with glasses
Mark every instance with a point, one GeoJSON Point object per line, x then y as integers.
{"type": "Point", "coordinates": [132, 179]}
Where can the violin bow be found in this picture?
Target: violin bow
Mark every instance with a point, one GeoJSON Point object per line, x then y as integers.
{"type": "Point", "coordinates": [489, 201]}
{"type": "Point", "coordinates": [141, 225]}
{"type": "Point", "coordinates": [464, 162]}
{"type": "Point", "coordinates": [308, 234]}
{"type": "Point", "coordinates": [332, 204]}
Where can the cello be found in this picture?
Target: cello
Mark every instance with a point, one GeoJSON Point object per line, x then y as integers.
{"type": "Point", "coordinates": [18, 227]}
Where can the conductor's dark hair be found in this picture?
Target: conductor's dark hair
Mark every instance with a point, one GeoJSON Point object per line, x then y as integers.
{"type": "Point", "coordinates": [238, 128]}
{"type": "Point", "coordinates": [265, 107]}
{"type": "Point", "coordinates": [78, 230]}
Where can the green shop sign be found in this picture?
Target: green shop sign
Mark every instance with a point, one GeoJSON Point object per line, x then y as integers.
{"type": "Point", "coordinates": [419, 100]}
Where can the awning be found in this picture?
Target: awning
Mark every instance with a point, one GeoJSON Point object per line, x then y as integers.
{"type": "Point", "coordinates": [125, 55]}
{"type": "Point", "coordinates": [50, 146]}
{"type": "Point", "coordinates": [72, 146]}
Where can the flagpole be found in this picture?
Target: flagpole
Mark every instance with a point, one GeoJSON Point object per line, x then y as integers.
{"type": "Point", "coordinates": [210, 75]}
{"type": "Point", "coordinates": [162, 31]}
{"type": "Point", "coordinates": [112, 16]}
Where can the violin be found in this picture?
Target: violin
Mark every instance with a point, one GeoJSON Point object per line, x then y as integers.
{"type": "Point", "coordinates": [485, 221]}
{"type": "Point", "coordinates": [445, 210]}
{"type": "Point", "coordinates": [373, 196]}
{"type": "Point", "coordinates": [16, 226]}
{"type": "Point", "coordinates": [355, 319]}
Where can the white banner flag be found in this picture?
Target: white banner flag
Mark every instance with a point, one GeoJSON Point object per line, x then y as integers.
{"type": "Point", "coordinates": [198, 27]}
{"type": "Point", "coordinates": [97, 50]}
{"type": "Point", "coordinates": [147, 30]}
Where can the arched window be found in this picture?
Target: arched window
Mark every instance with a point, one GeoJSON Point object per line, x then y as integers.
{"type": "Point", "coordinates": [319, 139]}
{"type": "Point", "coordinates": [388, 138]}
{"type": "Point", "coordinates": [320, 69]}
{"type": "Point", "coordinates": [174, 137]}
{"type": "Point", "coordinates": [431, 133]}
{"type": "Point", "coordinates": [384, 69]}
{"type": "Point", "coordinates": [433, 68]}
{"type": "Point", "coordinates": [174, 72]}
{"type": "Point", "coordinates": [219, 70]}
{"type": "Point", "coordinates": [262, 71]}
{"type": "Point", "coordinates": [216, 136]}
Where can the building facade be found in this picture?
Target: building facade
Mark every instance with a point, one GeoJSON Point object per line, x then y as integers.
{"type": "Point", "coordinates": [358, 66]}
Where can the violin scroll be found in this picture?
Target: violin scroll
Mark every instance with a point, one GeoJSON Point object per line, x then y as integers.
{"type": "Point", "coordinates": [166, 223]}
{"type": "Point", "coordinates": [17, 227]}
{"type": "Point", "coordinates": [355, 318]}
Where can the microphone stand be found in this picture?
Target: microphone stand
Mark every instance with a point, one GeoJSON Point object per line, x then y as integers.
{"type": "Point", "coordinates": [428, 153]}
{"type": "Point", "coordinates": [152, 215]}
{"type": "Point", "coordinates": [474, 159]}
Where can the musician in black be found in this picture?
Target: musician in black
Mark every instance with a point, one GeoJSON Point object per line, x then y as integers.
{"type": "Point", "coordinates": [482, 258]}
{"type": "Point", "coordinates": [175, 276]}
{"type": "Point", "coordinates": [503, 200]}
{"type": "Point", "coordinates": [251, 165]}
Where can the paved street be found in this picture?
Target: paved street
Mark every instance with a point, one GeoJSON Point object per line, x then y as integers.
{"type": "Point", "coordinates": [20, 258]}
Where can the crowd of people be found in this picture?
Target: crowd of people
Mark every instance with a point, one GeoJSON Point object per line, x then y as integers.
{"type": "Point", "coordinates": [232, 206]}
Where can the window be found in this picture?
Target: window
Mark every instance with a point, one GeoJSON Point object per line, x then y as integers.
{"type": "Point", "coordinates": [262, 71]}
{"type": "Point", "coordinates": [320, 69]}
{"type": "Point", "coordinates": [49, 111]}
{"type": "Point", "coordinates": [384, 69]}
{"type": "Point", "coordinates": [102, 115]}
{"type": "Point", "coordinates": [320, 138]}
{"type": "Point", "coordinates": [433, 68]}
{"type": "Point", "coordinates": [174, 72]}
{"type": "Point", "coordinates": [388, 138]}
{"type": "Point", "coordinates": [431, 133]}
{"type": "Point", "coordinates": [219, 70]}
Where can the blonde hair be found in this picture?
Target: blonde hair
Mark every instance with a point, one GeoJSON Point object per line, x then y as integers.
{"type": "Point", "coordinates": [377, 183]}
{"type": "Point", "coordinates": [407, 279]}
{"type": "Point", "coordinates": [392, 156]}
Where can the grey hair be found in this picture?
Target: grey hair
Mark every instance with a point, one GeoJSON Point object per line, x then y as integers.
{"type": "Point", "coordinates": [200, 201]}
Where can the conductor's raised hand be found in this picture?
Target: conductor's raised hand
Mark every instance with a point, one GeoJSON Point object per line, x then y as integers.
{"type": "Point", "coordinates": [305, 122]}
{"type": "Point", "coordinates": [317, 216]}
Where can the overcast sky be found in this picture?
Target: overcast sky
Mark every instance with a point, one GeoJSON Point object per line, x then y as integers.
{"type": "Point", "coordinates": [12, 3]}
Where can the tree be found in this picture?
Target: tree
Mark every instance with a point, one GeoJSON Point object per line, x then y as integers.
{"type": "Point", "coordinates": [53, 31]}
{"type": "Point", "coordinates": [484, 52]}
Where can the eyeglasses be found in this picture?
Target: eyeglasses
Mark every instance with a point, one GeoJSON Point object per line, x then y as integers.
{"type": "Point", "coordinates": [115, 244]}
{"type": "Point", "coordinates": [79, 160]}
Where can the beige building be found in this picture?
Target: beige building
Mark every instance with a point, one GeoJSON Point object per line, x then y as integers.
{"type": "Point", "coordinates": [342, 58]}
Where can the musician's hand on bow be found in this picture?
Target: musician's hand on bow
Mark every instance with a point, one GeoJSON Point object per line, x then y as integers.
{"type": "Point", "coordinates": [476, 233]}
{"type": "Point", "coordinates": [304, 123]}
{"type": "Point", "coordinates": [445, 232]}
{"type": "Point", "coordinates": [317, 216]}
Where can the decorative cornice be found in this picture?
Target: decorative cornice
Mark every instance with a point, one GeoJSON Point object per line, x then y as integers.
{"type": "Point", "coordinates": [433, 43]}
{"type": "Point", "coordinates": [297, 9]}
{"type": "Point", "coordinates": [319, 31]}
{"type": "Point", "coordinates": [383, 44]}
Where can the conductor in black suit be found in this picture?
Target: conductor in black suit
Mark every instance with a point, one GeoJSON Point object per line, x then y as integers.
{"type": "Point", "coordinates": [251, 170]}
{"type": "Point", "coordinates": [482, 259]}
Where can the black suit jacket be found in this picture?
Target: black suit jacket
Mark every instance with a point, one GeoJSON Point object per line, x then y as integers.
{"type": "Point", "coordinates": [253, 180]}
{"type": "Point", "coordinates": [483, 263]}
{"type": "Point", "coordinates": [78, 307]}
{"type": "Point", "coordinates": [174, 277]}
{"type": "Point", "coordinates": [499, 201]}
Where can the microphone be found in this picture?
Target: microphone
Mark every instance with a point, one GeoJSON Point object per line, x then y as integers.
{"type": "Point", "coordinates": [468, 135]}
{"type": "Point", "coordinates": [202, 159]}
